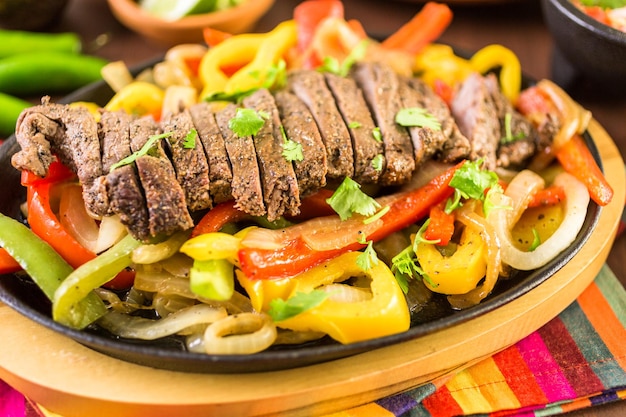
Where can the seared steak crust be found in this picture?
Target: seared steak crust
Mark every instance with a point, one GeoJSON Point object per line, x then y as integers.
{"type": "Point", "coordinates": [380, 87]}
{"type": "Point", "coordinates": [311, 88]}
{"type": "Point", "coordinates": [127, 200]}
{"type": "Point", "coordinates": [358, 119]}
{"type": "Point", "coordinates": [300, 127]}
{"type": "Point", "coordinates": [246, 185]}
{"type": "Point", "coordinates": [280, 186]}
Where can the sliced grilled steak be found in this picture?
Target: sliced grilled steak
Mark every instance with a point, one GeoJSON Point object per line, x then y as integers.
{"type": "Point", "coordinates": [428, 142]}
{"type": "Point", "coordinates": [380, 87]}
{"type": "Point", "coordinates": [518, 133]}
{"type": "Point", "coordinates": [300, 127]}
{"type": "Point", "coordinates": [280, 186]}
{"type": "Point", "coordinates": [127, 200]}
{"type": "Point", "coordinates": [246, 184]}
{"type": "Point", "coordinates": [72, 134]}
{"type": "Point", "coordinates": [114, 133]}
{"type": "Point", "coordinates": [220, 174]}
{"type": "Point", "coordinates": [311, 88]}
{"type": "Point", "coordinates": [476, 114]}
{"type": "Point", "coordinates": [358, 119]}
{"type": "Point", "coordinates": [188, 159]}
{"type": "Point", "coordinates": [165, 199]}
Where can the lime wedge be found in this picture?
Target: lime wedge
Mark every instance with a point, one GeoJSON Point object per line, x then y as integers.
{"type": "Point", "coordinates": [176, 9]}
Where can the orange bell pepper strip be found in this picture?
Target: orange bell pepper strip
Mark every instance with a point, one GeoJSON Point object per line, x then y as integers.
{"type": "Point", "coordinates": [297, 256]}
{"type": "Point", "coordinates": [576, 159]}
{"type": "Point", "coordinates": [308, 16]}
{"type": "Point", "coordinates": [213, 37]}
{"type": "Point", "coordinates": [426, 26]}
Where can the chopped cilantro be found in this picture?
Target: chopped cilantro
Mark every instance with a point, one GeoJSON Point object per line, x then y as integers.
{"type": "Point", "coordinates": [300, 302]}
{"type": "Point", "coordinates": [377, 134]}
{"type": "Point", "coordinates": [536, 241]}
{"type": "Point", "coordinates": [470, 181]}
{"type": "Point", "coordinates": [247, 122]}
{"type": "Point", "coordinates": [368, 257]}
{"type": "Point", "coordinates": [332, 64]}
{"type": "Point", "coordinates": [292, 150]}
{"type": "Point", "coordinates": [508, 133]}
{"type": "Point", "coordinates": [354, 125]}
{"type": "Point", "coordinates": [378, 215]}
{"type": "Point", "coordinates": [190, 139]}
{"type": "Point", "coordinates": [417, 116]}
{"type": "Point", "coordinates": [145, 150]}
{"type": "Point", "coordinates": [349, 199]}
{"type": "Point", "coordinates": [605, 4]}
{"type": "Point", "coordinates": [378, 161]}
{"type": "Point", "coordinates": [404, 267]}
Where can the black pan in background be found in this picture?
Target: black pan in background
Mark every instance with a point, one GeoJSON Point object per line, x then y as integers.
{"type": "Point", "coordinates": [22, 295]}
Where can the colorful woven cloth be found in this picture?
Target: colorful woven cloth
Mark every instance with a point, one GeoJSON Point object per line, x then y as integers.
{"type": "Point", "coordinates": [576, 360]}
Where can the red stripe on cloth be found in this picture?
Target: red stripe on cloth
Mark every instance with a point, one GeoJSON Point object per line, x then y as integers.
{"type": "Point", "coordinates": [519, 377]}
{"type": "Point", "coordinates": [570, 359]}
{"type": "Point", "coordinates": [441, 404]}
{"type": "Point", "coordinates": [547, 373]}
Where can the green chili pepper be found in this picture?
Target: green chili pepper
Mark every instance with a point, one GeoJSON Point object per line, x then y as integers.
{"type": "Point", "coordinates": [89, 276]}
{"type": "Point", "coordinates": [11, 109]}
{"type": "Point", "coordinates": [37, 73]}
{"type": "Point", "coordinates": [46, 268]}
{"type": "Point", "coordinates": [14, 42]}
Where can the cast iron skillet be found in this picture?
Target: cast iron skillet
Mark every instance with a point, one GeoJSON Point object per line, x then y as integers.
{"type": "Point", "coordinates": [22, 295]}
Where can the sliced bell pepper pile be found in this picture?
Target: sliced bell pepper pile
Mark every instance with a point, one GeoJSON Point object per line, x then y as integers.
{"type": "Point", "coordinates": [296, 255]}
{"type": "Point", "coordinates": [44, 222]}
{"type": "Point", "coordinates": [383, 314]}
{"type": "Point", "coordinates": [308, 15]}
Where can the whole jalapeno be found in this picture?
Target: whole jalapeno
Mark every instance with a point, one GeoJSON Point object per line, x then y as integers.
{"type": "Point", "coordinates": [15, 42]}
{"type": "Point", "coordinates": [11, 109]}
{"type": "Point", "coordinates": [48, 72]}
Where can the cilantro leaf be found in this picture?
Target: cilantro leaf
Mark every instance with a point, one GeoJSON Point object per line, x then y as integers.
{"type": "Point", "coordinates": [472, 181]}
{"type": "Point", "coordinates": [292, 150]}
{"type": "Point", "coordinates": [417, 116]}
{"type": "Point", "coordinates": [349, 199]}
{"type": "Point", "coordinates": [246, 122]}
{"type": "Point", "coordinates": [378, 161]}
{"type": "Point", "coordinates": [332, 65]}
{"type": "Point", "coordinates": [508, 132]}
{"type": "Point", "coordinates": [299, 303]}
{"type": "Point", "coordinates": [190, 139]}
{"type": "Point", "coordinates": [404, 266]}
{"type": "Point", "coordinates": [354, 125]}
{"type": "Point", "coordinates": [145, 150]}
{"type": "Point", "coordinates": [368, 257]}
{"type": "Point", "coordinates": [377, 134]}
{"type": "Point", "coordinates": [536, 240]}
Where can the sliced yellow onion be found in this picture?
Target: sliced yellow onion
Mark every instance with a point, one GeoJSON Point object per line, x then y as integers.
{"type": "Point", "coordinates": [344, 293]}
{"type": "Point", "coordinates": [576, 202]}
{"type": "Point", "coordinates": [111, 231]}
{"type": "Point", "coordinates": [74, 217]}
{"type": "Point", "coordinates": [240, 334]}
{"type": "Point", "coordinates": [328, 233]}
{"type": "Point", "coordinates": [134, 327]}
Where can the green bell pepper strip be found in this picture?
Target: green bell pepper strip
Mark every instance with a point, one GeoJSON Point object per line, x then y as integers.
{"type": "Point", "coordinates": [11, 109]}
{"type": "Point", "coordinates": [15, 42]}
{"type": "Point", "coordinates": [46, 268]}
{"type": "Point", "coordinates": [212, 279]}
{"type": "Point", "coordinates": [89, 276]}
{"type": "Point", "coordinates": [36, 73]}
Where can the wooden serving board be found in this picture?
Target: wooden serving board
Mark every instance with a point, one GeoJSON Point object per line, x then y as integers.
{"type": "Point", "coordinates": [74, 381]}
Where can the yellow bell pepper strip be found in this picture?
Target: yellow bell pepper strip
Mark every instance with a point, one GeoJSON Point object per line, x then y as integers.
{"type": "Point", "coordinates": [494, 56]}
{"type": "Point", "coordinates": [438, 63]}
{"type": "Point", "coordinates": [46, 268]}
{"type": "Point", "coordinates": [295, 255]}
{"type": "Point", "coordinates": [256, 54]}
{"type": "Point", "coordinates": [458, 273]}
{"type": "Point", "coordinates": [138, 98]}
{"type": "Point", "coordinates": [383, 314]}
{"type": "Point", "coordinates": [87, 277]}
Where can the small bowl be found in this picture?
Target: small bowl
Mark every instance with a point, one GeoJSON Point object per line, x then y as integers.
{"type": "Point", "coordinates": [593, 49]}
{"type": "Point", "coordinates": [238, 19]}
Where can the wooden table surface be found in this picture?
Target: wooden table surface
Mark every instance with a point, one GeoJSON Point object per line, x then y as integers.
{"type": "Point", "coordinates": [517, 25]}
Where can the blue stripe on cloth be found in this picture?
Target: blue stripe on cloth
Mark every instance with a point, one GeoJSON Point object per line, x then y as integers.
{"type": "Point", "coordinates": [593, 348]}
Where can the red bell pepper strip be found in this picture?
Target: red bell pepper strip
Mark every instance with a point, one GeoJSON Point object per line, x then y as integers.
{"type": "Point", "coordinates": [297, 256]}
{"type": "Point", "coordinates": [44, 223]}
{"type": "Point", "coordinates": [315, 205]}
{"type": "Point", "coordinates": [441, 225]}
{"type": "Point", "coordinates": [549, 196]}
{"type": "Point", "coordinates": [426, 26]}
{"type": "Point", "coordinates": [576, 159]}
{"type": "Point", "coordinates": [218, 217]}
{"type": "Point", "coordinates": [8, 265]}
{"type": "Point", "coordinates": [308, 16]}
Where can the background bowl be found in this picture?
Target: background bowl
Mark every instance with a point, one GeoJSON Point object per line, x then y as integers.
{"type": "Point", "coordinates": [238, 19]}
{"type": "Point", "coordinates": [595, 50]}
